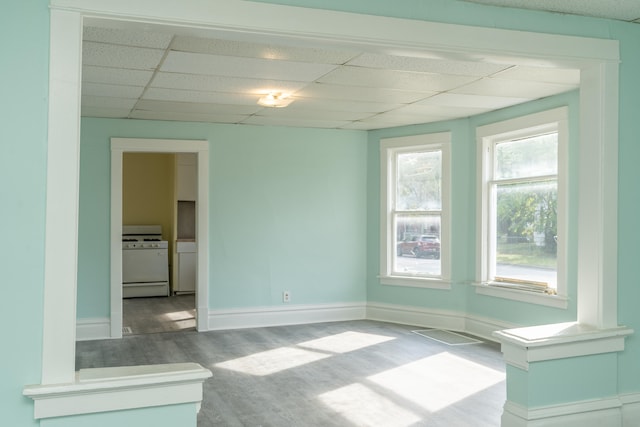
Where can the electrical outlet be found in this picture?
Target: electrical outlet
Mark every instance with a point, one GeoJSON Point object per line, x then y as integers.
{"type": "Point", "coordinates": [286, 296]}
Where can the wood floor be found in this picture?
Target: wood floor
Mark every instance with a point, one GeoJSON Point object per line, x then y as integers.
{"type": "Point", "coordinates": [158, 314]}
{"type": "Point", "coordinates": [347, 374]}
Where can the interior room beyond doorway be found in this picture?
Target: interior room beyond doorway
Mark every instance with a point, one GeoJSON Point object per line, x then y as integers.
{"type": "Point", "coordinates": [160, 190]}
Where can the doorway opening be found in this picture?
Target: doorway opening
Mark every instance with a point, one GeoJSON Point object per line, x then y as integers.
{"type": "Point", "coordinates": [184, 226]}
{"type": "Point", "coordinates": [159, 245]}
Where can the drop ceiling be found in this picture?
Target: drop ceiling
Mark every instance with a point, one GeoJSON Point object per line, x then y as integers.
{"type": "Point", "coordinates": [162, 74]}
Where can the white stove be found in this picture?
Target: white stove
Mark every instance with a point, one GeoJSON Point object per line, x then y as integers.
{"type": "Point", "coordinates": [145, 263]}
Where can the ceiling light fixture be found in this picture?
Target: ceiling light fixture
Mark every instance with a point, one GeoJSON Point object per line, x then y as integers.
{"type": "Point", "coordinates": [275, 100]}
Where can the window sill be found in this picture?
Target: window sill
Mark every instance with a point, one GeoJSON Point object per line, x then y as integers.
{"type": "Point", "coordinates": [415, 282]}
{"type": "Point", "coordinates": [556, 301]}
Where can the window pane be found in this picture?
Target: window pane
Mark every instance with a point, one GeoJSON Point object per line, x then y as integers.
{"type": "Point", "coordinates": [418, 185]}
{"type": "Point", "coordinates": [527, 157]}
{"type": "Point", "coordinates": [417, 245]}
{"type": "Point", "coordinates": [526, 232]}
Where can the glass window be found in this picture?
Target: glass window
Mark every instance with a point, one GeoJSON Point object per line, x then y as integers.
{"type": "Point", "coordinates": [522, 231]}
{"type": "Point", "coordinates": [415, 208]}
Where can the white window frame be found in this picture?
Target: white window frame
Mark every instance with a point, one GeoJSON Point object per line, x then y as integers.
{"type": "Point", "coordinates": [555, 120]}
{"type": "Point", "coordinates": [389, 148]}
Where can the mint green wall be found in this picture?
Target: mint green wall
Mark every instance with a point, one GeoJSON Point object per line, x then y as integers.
{"type": "Point", "coordinates": [24, 44]}
{"type": "Point", "coordinates": [629, 202]}
{"type": "Point", "coordinates": [287, 212]}
{"type": "Point", "coordinates": [553, 382]}
{"type": "Point", "coordinates": [163, 416]}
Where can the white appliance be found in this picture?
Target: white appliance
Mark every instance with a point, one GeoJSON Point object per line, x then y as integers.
{"type": "Point", "coordinates": [145, 261]}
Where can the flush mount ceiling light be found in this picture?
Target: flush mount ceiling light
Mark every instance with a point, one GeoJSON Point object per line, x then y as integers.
{"type": "Point", "coordinates": [275, 100]}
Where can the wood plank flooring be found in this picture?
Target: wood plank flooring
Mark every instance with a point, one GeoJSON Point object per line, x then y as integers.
{"type": "Point", "coordinates": [158, 314]}
{"type": "Point", "coordinates": [347, 374]}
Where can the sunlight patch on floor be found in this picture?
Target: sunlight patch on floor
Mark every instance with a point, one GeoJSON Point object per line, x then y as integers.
{"type": "Point", "coordinates": [345, 342]}
{"type": "Point", "coordinates": [438, 381]}
{"type": "Point", "coordinates": [179, 315]}
{"type": "Point", "coordinates": [272, 361]}
{"type": "Point", "coordinates": [364, 407]}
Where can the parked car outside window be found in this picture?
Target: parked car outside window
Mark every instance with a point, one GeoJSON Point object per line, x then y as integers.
{"type": "Point", "coordinates": [422, 246]}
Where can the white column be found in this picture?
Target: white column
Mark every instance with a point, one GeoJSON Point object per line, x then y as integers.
{"type": "Point", "coordinates": [598, 201]}
{"type": "Point", "coordinates": [58, 351]}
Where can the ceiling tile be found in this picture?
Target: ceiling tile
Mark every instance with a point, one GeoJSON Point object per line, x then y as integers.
{"type": "Point", "coordinates": [390, 79]}
{"type": "Point", "coordinates": [197, 63]}
{"type": "Point", "coordinates": [113, 113]}
{"type": "Point", "coordinates": [293, 112]}
{"type": "Point", "coordinates": [187, 117]}
{"type": "Point", "coordinates": [128, 37]}
{"type": "Point", "coordinates": [108, 102]}
{"type": "Point", "coordinates": [402, 118]}
{"type": "Point", "coordinates": [275, 121]}
{"type": "Point", "coordinates": [512, 88]}
{"type": "Point", "coordinates": [196, 96]}
{"type": "Point", "coordinates": [625, 10]}
{"type": "Point", "coordinates": [118, 76]}
{"type": "Point", "coordinates": [196, 107]}
{"type": "Point", "coordinates": [427, 65]}
{"type": "Point", "coordinates": [117, 91]}
{"type": "Point", "coordinates": [361, 93]}
{"type": "Point", "coordinates": [344, 105]}
{"type": "Point", "coordinates": [260, 50]}
{"type": "Point", "coordinates": [223, 84]}
{"type": "Point", "coordinates": [439, 110]}
{"type": "Point", "coordinates": [368, 125]}
{"type": "Point", "coordinates": [472, 101]}
{"type": "Point", "coordinates": [109, 55]}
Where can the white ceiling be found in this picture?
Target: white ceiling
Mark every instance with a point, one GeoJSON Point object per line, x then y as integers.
{"type": "Point", "coordinates": [147, 73]}
{"type": "Point", "coordinates": [623, 10]}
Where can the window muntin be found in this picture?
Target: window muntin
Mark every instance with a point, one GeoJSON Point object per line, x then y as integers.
{"type": "Point", "coordinates": [522, 234]}
{"type": "Point", "coordinates": [415, 208]}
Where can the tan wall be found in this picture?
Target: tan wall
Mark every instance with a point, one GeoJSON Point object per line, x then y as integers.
{"type": "Point", "coordinates": [148, 191]}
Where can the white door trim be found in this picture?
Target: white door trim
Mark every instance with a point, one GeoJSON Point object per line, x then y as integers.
{"type": "Point", "coordinates": [119, 146]}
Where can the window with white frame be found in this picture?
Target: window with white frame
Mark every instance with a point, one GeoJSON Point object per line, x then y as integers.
{"type": "Point", "coordinates": [523, 203]}
{"type": "Point", "coordinates": [415, 210]}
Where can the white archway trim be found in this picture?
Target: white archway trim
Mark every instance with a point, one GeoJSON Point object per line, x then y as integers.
{"type": "Point", "coordinates": [597, 58]}
{"type": "Point", "coordinates": [140, 145]}
{"type": "Point", "coordinates": [63, 171]}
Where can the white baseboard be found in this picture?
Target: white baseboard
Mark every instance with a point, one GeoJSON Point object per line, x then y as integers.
{"type": "Point", "coordinates": [100, 328]}
{"type": "Point", "coordinates": [592, 413]}
{"type": "Point", "coordinates": [95, 328]}
{"type": "Point", "coordinates": [433, 318]}
{"type": "Point", "coordinates": [289, 315]}
{"type": "Point", "coordinates": [630, 409]}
